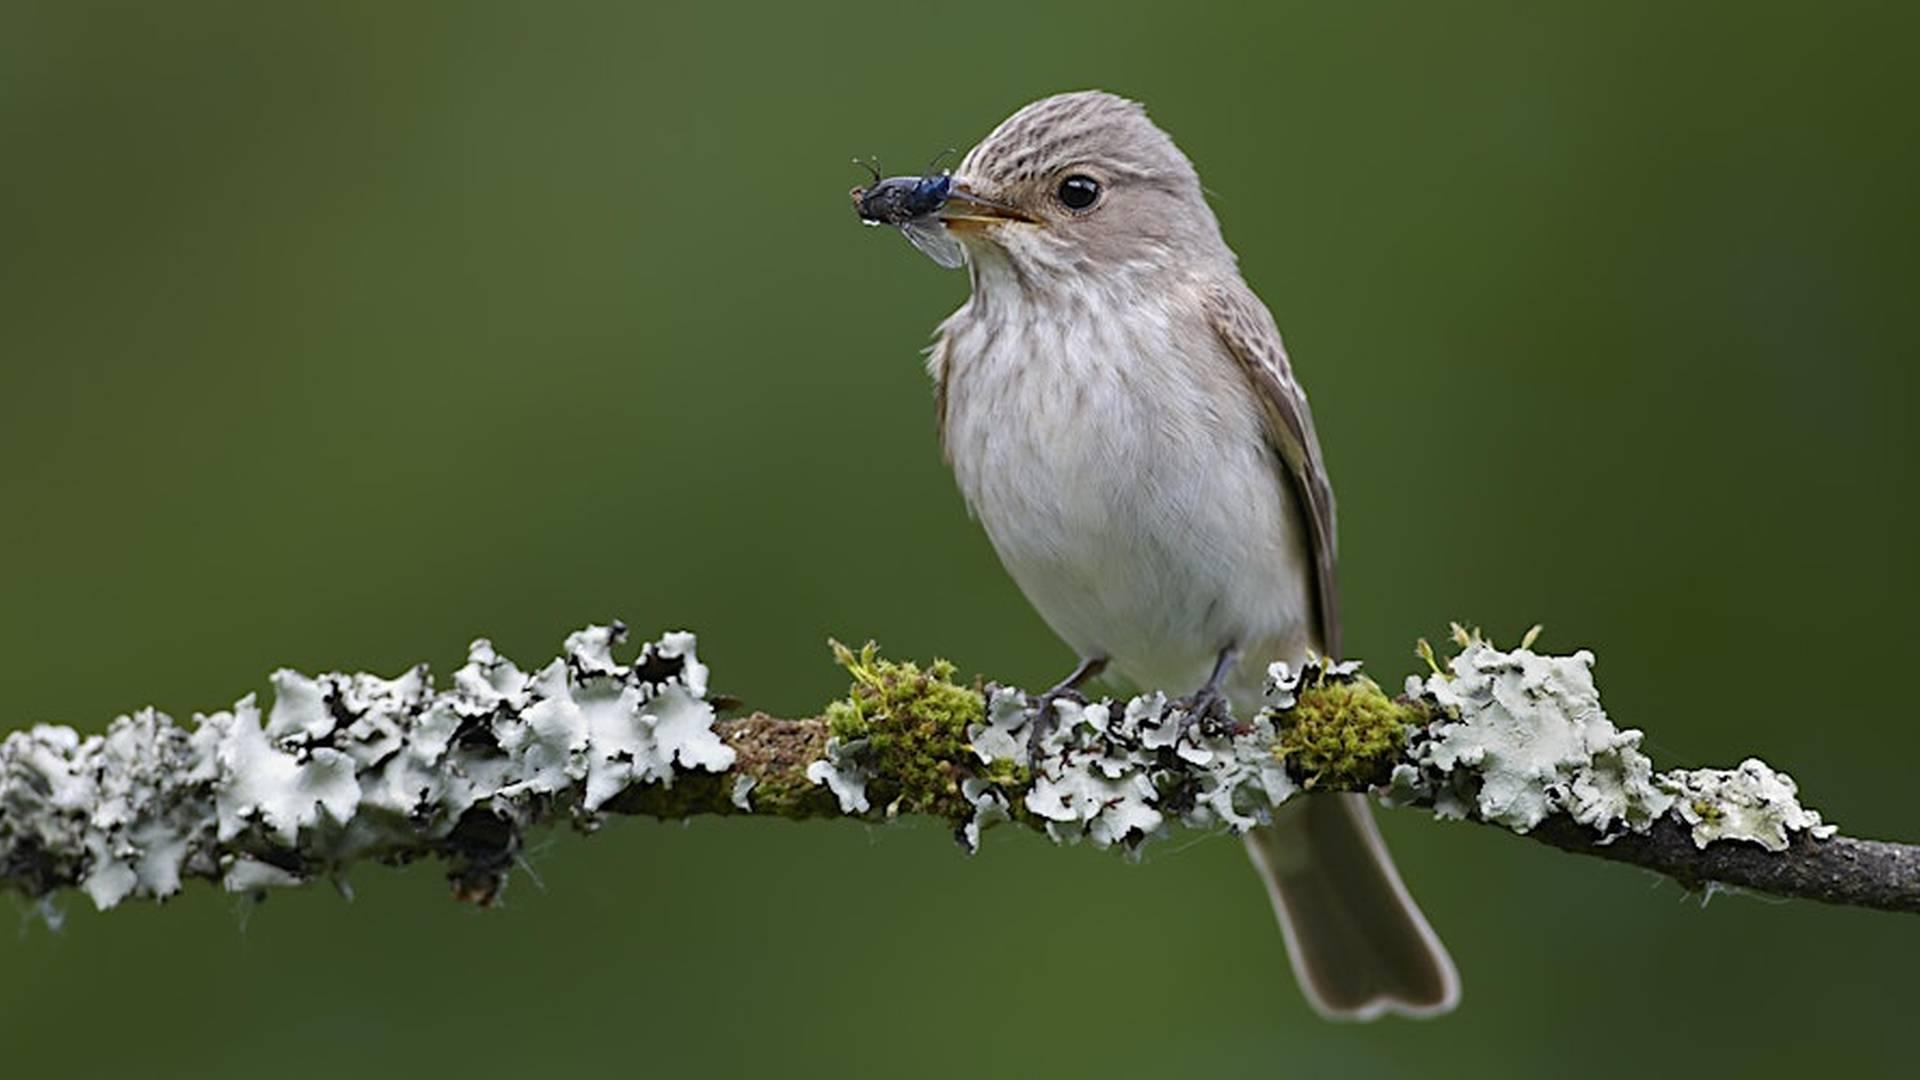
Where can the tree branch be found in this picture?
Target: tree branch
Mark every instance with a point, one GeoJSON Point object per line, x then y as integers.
{"type": "Point", "coordinates": [1832, 870]}
{"type": "Point", "coordinates": [349, 768]}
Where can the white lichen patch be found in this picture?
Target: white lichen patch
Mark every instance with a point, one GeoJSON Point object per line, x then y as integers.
{"type": "Point", "coordinates": [1118, 774]}
{"type": "Point", "coordinates": [1522, 737]}
{"type": "Point", "coordinates": [742, 794]}
{"type": "Point", "coordinates": [343, 765]}
{"type": "Point", "coordinates": [843, 776]}
{"type": "Point", "coordinates": [1752, 802]}
{"type": "Point", "coordinates": [990, 807]}
{"type": "Point", "coordinates": [281, 786]}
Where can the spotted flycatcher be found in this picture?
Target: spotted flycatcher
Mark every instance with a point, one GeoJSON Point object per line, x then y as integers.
{"type": "Point", "coordinates": [1121, 416]}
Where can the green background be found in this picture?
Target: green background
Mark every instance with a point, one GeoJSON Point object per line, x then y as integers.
{"type": "Point", "coordinates": [337, 335]}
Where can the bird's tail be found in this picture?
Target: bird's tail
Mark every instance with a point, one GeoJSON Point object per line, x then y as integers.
{"type": "Point", "coordinates": [1359, 945]}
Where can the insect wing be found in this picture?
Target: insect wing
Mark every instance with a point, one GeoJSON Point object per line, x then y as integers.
{"type": "Point", "coordinates": [930, 235]}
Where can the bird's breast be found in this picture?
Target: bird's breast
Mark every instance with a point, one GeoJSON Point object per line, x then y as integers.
{"type": "Point", "coordinates": [1116, 458]}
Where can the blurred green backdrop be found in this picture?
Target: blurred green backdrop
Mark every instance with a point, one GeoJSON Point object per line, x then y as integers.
{"type": "Point", "coordinates": [337, 335]}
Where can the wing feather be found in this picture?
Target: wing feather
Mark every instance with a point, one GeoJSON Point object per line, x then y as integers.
{"type": "Point", "coordinates": [1247, 329]}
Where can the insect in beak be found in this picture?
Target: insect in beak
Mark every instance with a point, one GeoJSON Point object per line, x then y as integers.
{"type": "Point", "coordinates": [927, 210]}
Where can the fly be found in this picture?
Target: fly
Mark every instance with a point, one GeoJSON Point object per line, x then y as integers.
{"type": "Point", "coordinates": [911, 204]}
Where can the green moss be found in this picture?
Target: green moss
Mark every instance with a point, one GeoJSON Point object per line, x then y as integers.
{"type": "Point", "coordinates": [1344, 735]}
{"type": "Point", "coordinates": [1007, 774]}
{"type": "Point", "coordinates": [908, 729]}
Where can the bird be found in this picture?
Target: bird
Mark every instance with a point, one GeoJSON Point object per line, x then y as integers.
{"type": "Point", "coordinates": [1122, 418]}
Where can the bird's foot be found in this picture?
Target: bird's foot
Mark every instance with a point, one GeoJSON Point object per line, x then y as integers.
{"type": "Point", "coordinates": [1067, 689]}
{"type": "Point", "coordinates": [1206, 709]}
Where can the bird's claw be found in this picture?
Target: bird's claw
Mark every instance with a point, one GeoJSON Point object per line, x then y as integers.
{"type": "Point", "coordinates": [1205, 709]}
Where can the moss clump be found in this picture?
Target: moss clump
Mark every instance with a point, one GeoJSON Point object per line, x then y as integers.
{"type": "Point", "coordinates": [908, 729]}
{"type": "Point", "coordinates": [1343, 734]}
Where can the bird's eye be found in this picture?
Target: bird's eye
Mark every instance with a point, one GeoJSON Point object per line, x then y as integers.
{"type": "Point", "coordinates": [1079, 192]}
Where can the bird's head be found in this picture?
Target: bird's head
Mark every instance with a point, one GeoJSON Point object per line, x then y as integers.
{"type": "Point", "coordinates": [1078, 185]}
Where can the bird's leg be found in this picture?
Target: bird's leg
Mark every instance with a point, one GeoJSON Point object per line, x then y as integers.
{"type": "Point", "coordinates": [1067, 689]}
{"type": "Point", "coordinates": [1207, 706]}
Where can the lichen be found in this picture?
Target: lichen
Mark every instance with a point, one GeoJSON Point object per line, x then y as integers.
{"type": "Point", "coordinates": [841, 771]}
{"type": "Point", "coordinates": [1119, 774]}
{"type": "Point", "coordinates": [345, 766]}
{"type": "Point", "coordinates": [1753, 802]}
{"type": "Point", "coordinates": [1521, 736]}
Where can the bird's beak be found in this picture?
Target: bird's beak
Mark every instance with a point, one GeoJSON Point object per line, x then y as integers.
{"type": "Point", "coordinates": [968, 209]}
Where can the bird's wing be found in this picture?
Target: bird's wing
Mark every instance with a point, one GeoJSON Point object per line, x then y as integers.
{"type": "Point", "coordinates": [1245, 327]}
